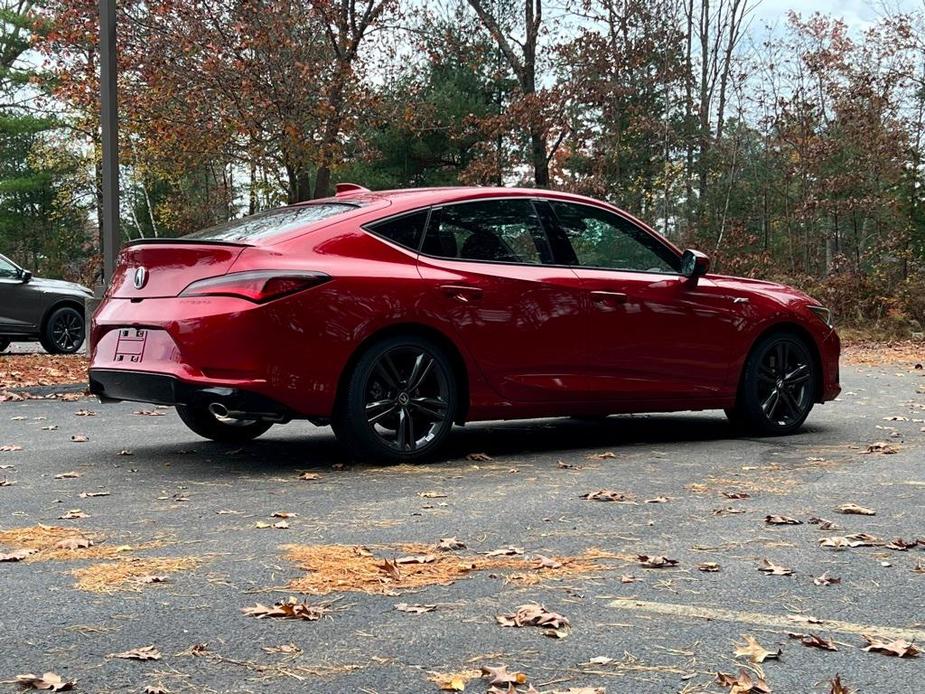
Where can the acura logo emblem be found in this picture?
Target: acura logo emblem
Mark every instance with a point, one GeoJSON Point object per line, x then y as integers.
{"type": "Point", "coordinates": [141, 277]}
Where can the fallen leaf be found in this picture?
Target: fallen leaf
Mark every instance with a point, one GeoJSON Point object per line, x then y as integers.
{"type": "Point", "coordinates": [826, 580]}
{"type": "Point", "coordinates": [143, 653]}
{"type": "Point", "coordinates": [823, 523]}
{"type": "Point", "coordinates": [432, 495]}
{"type": "Point", "coordinates": [837, 687]}
{"type": "Point", "coordinates": [533, 615]}
{"type": "Point", "coordinates": [88, 495]}
{"type": "Point", "coordinates": [772, 569]}
{"type": "Point", "coordinates": [49, 682]}
{"type": "Point", "coordinates": [156, 689]}
{"type": "Point", "coordinates": [414, 609]}
{"type": "Point", "coordinates": [148, 413]}
{"type": "Point", "coordinates": [500, 675]}
{"type": "Point", "coordinates": [417, 559]}
{"type": "Point", "coordinates": [607, 495]}
{"type": "Point", "coordinates": [855, 540]}
{"type": "Point", "coordinates": [655, 561]}
{"type": "Point", "coordinates": [882, 447]}
{"type": "Point", "coordinates": [600, 660]}
{"type": "Point", "coordinates": [7, 483]}
{"type": "Point", "coordinates": [10, 448]}
{"type": "Point", "coordinates": [67, 475]}
{"type": "Point", "coordinates": [854, 509]}
{"type": "Point", "coordinates": [125, 451]}
{"type": "Point", "coordinates": [628, 578]}
{"type": "Point", "coordinates": [708, 567]}
{"type": "Point", "coordinates": [290, 609]}
{"type": "Point", "coordinates": [73, 514]}
{"type": "Point", "coordinates": [743, 683]}
{"type": "Point", "coordinates": [309, 476]}
{"type": "Point", "coordinates": [728, 511]}
{"type": "Point", "coordinates": [782, 520]}
{"type": "Point", "coordinates": [449, 544]}
{"type": "Point", "coordinates": [50, 427]}
{"type": "Point", "coordinates": [543, 562]}
{"type": "Point", "coordinates": [390, 569]}
{"type": "Point", "coordinates": [754, 651]}
{"type": "Point", "coordinates": [657, 500]}
{"type": "Point", "coordinates": [85, 413]}
{"type": "Point", "coordinates": [153, 579]}
{"type": "Point", "coordinates": [601, 456]}
{"type": "Point", "coordinates": [286, 649]}
{"type": "Point", "coordinates": [79, 438]}
{"type": "Point", "coordinates": [284, 514]}
{"type": "Point", "coordinates": [736, 495]}
{"type": "Point", "coordinates": [74, 543]}
{"type": "Point", "coordinates": [568, 466]}
{"type": "Point", "coordinates": [901, 545]}
{"type": "Point", "coordinates": [281, 525]}
{"type": "Point", "coordinates": [814, 641]}
{"type": "Point", "coordinates": [509, 551]}
{"type": "Point", "coordinates": [479, 457]}
{"type": "Point", "coordinates": [17, 555]}
{"type": "Point", "coordinates": [899, 647]}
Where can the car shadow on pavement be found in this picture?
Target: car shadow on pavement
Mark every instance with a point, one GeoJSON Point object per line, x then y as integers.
{"type": "Point", "coordinates": [308, 447]}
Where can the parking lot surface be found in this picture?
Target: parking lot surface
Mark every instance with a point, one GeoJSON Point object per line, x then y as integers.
{"type": "Point", "coordinates": [185, 538]}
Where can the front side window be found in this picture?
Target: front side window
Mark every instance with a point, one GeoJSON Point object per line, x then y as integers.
{"type": "Point", "coordinates": [8, 271]}
{"type": "Point", "coordinates": [605, 240]}
{"type": "Point", "coordinates": [406, 230]}
{"type": "Point", "coordinates": [270, 223]}
{"type": "Point", "coordinates": [504, 231]}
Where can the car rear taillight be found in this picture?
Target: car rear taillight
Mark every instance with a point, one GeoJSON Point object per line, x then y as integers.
{"type": "Point", "coordinates": [259, 286]}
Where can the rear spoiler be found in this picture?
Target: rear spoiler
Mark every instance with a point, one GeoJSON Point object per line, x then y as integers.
{"type": "Point", "coordinates": [184, 241]}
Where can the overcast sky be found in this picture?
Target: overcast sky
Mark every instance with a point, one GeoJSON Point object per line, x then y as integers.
{"type": "Point", "coordinates": [857, 13]}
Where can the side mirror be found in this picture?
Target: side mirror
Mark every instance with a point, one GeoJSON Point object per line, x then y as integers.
{"type": "Point", "coordinates": [25, 276]}
{"type": "Point", "coordinates": [694, 264]}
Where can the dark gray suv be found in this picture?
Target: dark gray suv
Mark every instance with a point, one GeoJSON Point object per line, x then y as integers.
{"type": "Point", "coordinates": [32, 308]}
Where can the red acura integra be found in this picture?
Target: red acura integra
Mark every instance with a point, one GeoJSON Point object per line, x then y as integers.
{"type": "Point", "coordinates": [394, 315]}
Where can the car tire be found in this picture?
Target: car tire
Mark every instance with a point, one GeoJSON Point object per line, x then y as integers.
{"type": "Point", "coordinates": [399, 401]}
{"type": "Point", "coordinates": [64, 331]}
{"type": "Point", "coordinates": [201, 421]}
{"type": "Point", "coordinates": [778, 388]}
{"type": "Point", "coordinates": [4, 343]}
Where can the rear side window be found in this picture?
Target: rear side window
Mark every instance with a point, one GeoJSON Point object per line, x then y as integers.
{"type": "Point", "coordinates": [506, 231]}
{"type": "Point", "coordinates": [271, 222]}
{"type": "Point", "coordinates": [406, 230]}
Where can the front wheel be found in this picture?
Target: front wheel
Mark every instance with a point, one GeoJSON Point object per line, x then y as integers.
{"type": "Point", "coordinates": [64, 331]}
{"type": "Point", "coordinates": [778, 386]}
{"type": "Point", "coordinates": [399, 402]}
{"type": "Point", "coordinates": [222, 429]}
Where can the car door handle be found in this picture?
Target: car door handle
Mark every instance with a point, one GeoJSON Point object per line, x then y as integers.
{"type": "Point", "coordinates": [462, 292]}
{"type": "Point", "coordinates": [603, 296]}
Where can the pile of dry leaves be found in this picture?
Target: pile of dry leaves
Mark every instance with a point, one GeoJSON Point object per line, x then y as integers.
{"type": "Point", "coordinates": [28, 370]}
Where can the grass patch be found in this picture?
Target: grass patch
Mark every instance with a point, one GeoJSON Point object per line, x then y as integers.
{"type": "Point", "coordinates": [346, 568]}
{"type": "Point", "coordinates": [131, 574]}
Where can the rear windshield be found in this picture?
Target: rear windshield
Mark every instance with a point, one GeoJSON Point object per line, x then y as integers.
{"type": "Point", "coordinates": [271, 222]}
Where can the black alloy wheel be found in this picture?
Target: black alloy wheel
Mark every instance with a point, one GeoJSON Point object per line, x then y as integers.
{"type": "Point", "coordinates": [400, 401]}
{"type": "Point", "coordinates": [779, 385]}
{"type": "Point", "coordinates": [64, 331]}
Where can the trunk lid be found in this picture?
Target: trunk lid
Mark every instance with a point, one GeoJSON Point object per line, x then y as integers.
{"type": "Point", "coordinates": [166, 268]}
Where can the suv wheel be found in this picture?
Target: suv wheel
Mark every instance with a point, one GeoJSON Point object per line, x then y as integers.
{"type": "Point", "coordinates": [64, 331]}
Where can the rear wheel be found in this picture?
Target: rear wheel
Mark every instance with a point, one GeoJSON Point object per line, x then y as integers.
{"type": "Point", "coordinates": [399, 402]}
{"type": "Point", "coordinates": [64, 331]}
{"type": "Point", "coordinates": [778, 386]}
{"type": "Point", "coordinates": [223, 429]}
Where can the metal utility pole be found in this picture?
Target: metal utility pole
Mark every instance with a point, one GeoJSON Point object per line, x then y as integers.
{"type": "Point", "coordinates": [109, 122]}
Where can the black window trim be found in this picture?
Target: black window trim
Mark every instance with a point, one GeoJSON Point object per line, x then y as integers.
{"type": "Point", "coordinates": [626, 219]}
{"type": "Point", "coordinates": [367, 227]}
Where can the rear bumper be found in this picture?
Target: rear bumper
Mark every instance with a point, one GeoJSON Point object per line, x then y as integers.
{"type": "Point", "coordinates": [113, 385]}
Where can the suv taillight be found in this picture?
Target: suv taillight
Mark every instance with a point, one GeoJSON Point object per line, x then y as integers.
{"type": "Point", "coordinates": [259, 286]}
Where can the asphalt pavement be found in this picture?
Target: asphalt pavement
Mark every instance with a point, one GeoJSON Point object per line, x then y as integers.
{"type": "Point", "coordinates": [174, 496]}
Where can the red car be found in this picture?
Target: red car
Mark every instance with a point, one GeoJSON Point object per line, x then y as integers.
{"type": "Point", "coordinates": [393, 315]}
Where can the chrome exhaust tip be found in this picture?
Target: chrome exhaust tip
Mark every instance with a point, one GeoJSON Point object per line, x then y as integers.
{"type": "Point", "coordinates": [218, 410]}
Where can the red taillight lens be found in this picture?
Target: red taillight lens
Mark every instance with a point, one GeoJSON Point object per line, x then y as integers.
{"type": "Point", "coordinates": [258, 286]}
